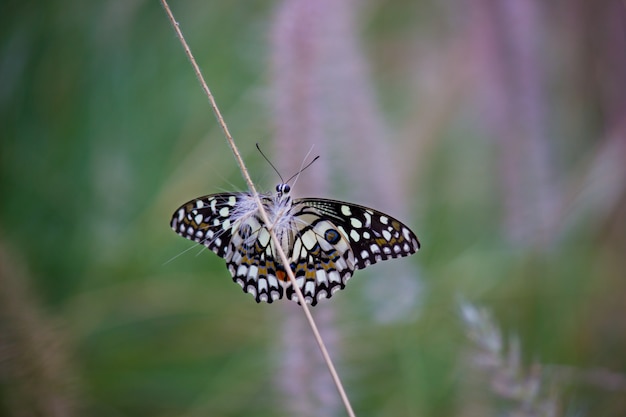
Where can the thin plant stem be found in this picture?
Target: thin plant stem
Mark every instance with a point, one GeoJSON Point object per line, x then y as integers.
{"type": "Point", "coordinates": [262, 212]}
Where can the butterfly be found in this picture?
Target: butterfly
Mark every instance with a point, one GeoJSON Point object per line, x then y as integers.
{"type": "Point", "coordinates": [324, 240]}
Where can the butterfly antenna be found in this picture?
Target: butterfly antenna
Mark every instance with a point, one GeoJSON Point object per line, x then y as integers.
{"type": "Point", "coordinates": [270, 162]}
{"type": "Point", "coordinates": [303, 168]}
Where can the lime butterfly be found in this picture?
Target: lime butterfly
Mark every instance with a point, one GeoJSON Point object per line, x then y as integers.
{"type": "Point", "coordinates": [324, 240]}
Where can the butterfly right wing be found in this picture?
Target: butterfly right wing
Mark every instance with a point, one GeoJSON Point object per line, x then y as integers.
{"type": "Point", "coordinates": [252, 261]}
{"type": "Point", "coordinates": [228, 224]}
{"type": "Point", "coordinates": [207, 220]}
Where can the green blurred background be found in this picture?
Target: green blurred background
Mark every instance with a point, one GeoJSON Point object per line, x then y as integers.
{"type": "Point", "coordinates": [508, 122]}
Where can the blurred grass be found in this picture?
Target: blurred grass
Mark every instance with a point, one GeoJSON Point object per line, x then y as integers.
{"type": "Point", "coordinates": [105, 131]}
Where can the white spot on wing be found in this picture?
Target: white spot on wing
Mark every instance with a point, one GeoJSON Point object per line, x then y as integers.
{"type": "Point", "coordinates": [272, 280]}
{"type": "Point", "coordinates": [242, 271]}
{"type": "Point", "coordinates": [309, 240]}
{"type": "Point", "coordinates": [253, 272]}
{"type": "Point", "coordinates": [368, 218]}
{"type": "Point", "coordinates": [264, 237]}
{"type": "Point", "coordinates": [333, 276]}
{"type": "Point", "coordinates": [236, 258]}
{"type": "Point", "coordinates": [251, 289]}
{"type": "Point", "coordinates": [297, 247]}
{"type": "Point", "coordinates": [309, 287]}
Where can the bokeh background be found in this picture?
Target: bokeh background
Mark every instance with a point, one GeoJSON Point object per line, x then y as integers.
{"type": "Point", "coordinates": [495, 129]}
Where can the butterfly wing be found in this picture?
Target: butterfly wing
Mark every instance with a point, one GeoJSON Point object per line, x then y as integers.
{"type": "Point", "coordinates": [373, 236]}
{"type": "Point", "coordinates": [229, 225]}
{"type": "Point", "coordinates": [207, 220]}
{"type": "Point", "coordinates": [252, 261]}
{"type": "Point", "coordinates": [320, 256]}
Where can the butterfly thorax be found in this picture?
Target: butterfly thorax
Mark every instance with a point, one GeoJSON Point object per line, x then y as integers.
{"type": "Point", "coordinates": [282, 221]}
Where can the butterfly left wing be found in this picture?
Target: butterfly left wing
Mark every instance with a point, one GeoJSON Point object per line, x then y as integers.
{"type": "Point", "coordinates": [321, 258]}
{"type": "Point", "coordinates": [373, 236]}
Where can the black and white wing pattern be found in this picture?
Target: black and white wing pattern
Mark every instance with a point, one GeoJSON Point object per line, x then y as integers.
{"type": "Point", "coordinates": [373, 236]}
{"type": "Point", "coordinates": [324, 240]}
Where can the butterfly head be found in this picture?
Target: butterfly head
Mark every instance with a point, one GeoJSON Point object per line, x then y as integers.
{"type": "Point", "coordinates": [283, 190]}
{"type": "Point", "coordinates": [282, 199]}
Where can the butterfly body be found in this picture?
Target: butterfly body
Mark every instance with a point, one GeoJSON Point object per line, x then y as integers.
{"type": "Point", "coordinates": [324, 240]}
